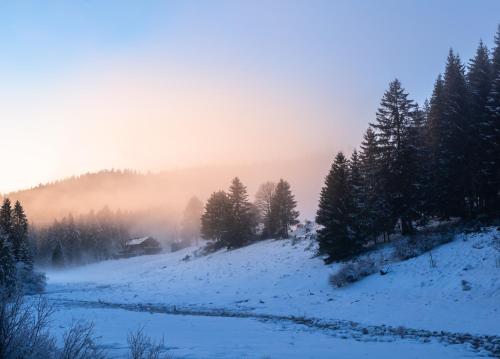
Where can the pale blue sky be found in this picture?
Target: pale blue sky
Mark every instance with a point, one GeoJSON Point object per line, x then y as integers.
{"type": "Point", "coordinates": [334, 56]}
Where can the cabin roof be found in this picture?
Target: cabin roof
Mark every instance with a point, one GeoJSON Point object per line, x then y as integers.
{"type": "Point", "coordinates": [136, 241]}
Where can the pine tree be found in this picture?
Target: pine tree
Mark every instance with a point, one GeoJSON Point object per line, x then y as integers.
{"type": "Point", "coordinates": [479, 79]}
{"type": "Point", "coordinates": [20, 245]}
{"type": "Point", "coordinates": [493, 130]}
{"type": "Point", "coordinates": [6, 220]}
{"type": "Point", "coordinates": [376, 217]}
{"type": "Point", "coordinates": [456, 128]}
{"type": "Point", "coordinates": [241, 219]}
{"type": "Point", "coordinates": [283, 213]}
{"type": "Point", "coordinates": [358, 195]}
{"type": "Point", "coordinates": [337, 239]}
{"type": "Point", "coordinates": [71, 237]}
{"type": "Point", "coordinates": [395, 117]}
{"type": "Point", "coordinates": [7, 260]}
{"type": "Point", "coordinates": [57, 255]}
{"type": "Point", "coordinates": [7, 265]}
{"type": "Point", "coordinates": [418, 162]}
{"type": "Point", "coordinates": [439, 152]}
{"type": "Point", "coordinates": [215, 219]}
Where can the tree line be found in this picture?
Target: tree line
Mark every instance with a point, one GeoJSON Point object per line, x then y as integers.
{"type": "Point", "coordinates": [439, 160]}
{"type": "Point", "coordinates": [16, 258]}
{"type": "Point", "coordinates": [231, 220]}
{"type": "Point", "coordinates": [88, 238]}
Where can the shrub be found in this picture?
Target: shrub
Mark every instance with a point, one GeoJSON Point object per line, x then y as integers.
{"type": "Point", "coordinates": [24, 328]}
{"type": "Point", "coordinates": [405, 249]}
{"type": "Point", "coordinates": [413, 246]}
{"type": "Point", "coordinates": [29, 281]}
{"type": "Point", "coordinates": [80, 342]}
{"type": "Point", "coordinates": [353, 271]}
{"type": "Point", "coordinates": [24, 332]}
{"type": "Point", "coordinates": [466, 286]}
{"type": "Point", "coordinates": [142, 346]}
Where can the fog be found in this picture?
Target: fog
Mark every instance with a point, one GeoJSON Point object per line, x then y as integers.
{"type": "Point", "coordinates": [156, 118]}
{"type": "Point", "coordinates": [187, 133]}
{"type": "Point", "coordinates": [165, 194]}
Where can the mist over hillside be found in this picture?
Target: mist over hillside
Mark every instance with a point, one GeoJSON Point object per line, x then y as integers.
{"type": "Point", "coordinates": [161, 197]}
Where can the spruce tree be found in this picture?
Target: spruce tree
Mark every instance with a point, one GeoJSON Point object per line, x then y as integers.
{"type": "Point", "coordinates": [57, 255]}
{"type": "Point", "coordinates": [20, 245]}
{"type": "Point", "coordinates": [358, 195]}
{"type": "Point", "coordinates": [283, 213]}
{"type": "Point", "coordinates": [376, 217]}
{"type": "Point", "coordinates": [71, 238]}
{"type": "Point", "coordinates": [215, 219]}
{"type": "Point", "coordinates": [492, 156]}
{"type": "Point", "coordinates": [394, 119]}
{"type": "Point", "coordinates": [241, 219]}
{"type": "Point", "coordinates": [418, 163]}
{"type": "Point", "coordinates": [439, 152]}
{"type": "Point", "coordinates": [456, 128]}
{"type": "Point", "coordinates": [6, 220]}
{"type": "Point", "coordinates": [336, 239]}
{"type": "Point", "coordinates": [7, 266]}
{"type": "Point", "coordinates": [479, 79]}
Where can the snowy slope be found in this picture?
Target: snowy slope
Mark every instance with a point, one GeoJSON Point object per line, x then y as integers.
{"type": "Point", "coordinates": [283, 278]}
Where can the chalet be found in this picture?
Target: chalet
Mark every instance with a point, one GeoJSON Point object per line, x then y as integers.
{"type": "Point", "coordinates": [141, 246]}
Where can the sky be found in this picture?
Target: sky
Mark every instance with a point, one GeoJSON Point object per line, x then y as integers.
{"type": "Point", "coordinates": [152, 85]}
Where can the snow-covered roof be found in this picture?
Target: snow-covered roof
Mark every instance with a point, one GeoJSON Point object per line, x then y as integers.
{"type": "Point", "coordinates": [136, 241]}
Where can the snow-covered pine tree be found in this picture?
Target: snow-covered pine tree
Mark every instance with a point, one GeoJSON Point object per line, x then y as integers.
{"type": "Point", "coordinates": [335, 213]}
{"type": "Point", "coordinates": [479, 78]}
{"type": "Point", "coordinates": [283, 210]}
{"type": "Point", "coordinates": [394, 120]}
{"type": "Point", "coordinates": [493, 129]}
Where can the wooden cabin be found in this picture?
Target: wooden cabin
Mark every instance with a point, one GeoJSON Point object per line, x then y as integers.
{"type": "Point", "coordinates": [140, 246]}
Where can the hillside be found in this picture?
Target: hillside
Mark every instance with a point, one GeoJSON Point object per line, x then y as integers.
{"type": "Point", "coordinates": [166, 192]}
{"type": "Point", "coordinates": [282, 283]}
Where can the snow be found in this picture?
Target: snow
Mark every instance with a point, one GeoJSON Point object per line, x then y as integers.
{"type": "Point", "coordinates": [283, 278]}
{"type": "Point", "coordinates": [229, 338]}
{"type": "Point", "coordinates": [136, 241]}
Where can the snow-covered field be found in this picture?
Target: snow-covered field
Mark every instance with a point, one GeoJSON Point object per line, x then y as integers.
{"type": "Point", "coordinates": [272, 300]}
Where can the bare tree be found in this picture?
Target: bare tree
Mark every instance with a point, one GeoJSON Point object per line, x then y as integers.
{"type": "Point", "coordinates": [80, 343]}
{"type": "Point", "coordinates": [263, 199]}
{"type": "Point", "coordinates": [24, 328]}
{"type": "Point", "coordinates": [142, 346]}
{"type": "Point", "coordinates": [24, 332]}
